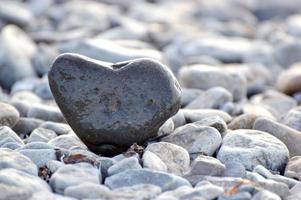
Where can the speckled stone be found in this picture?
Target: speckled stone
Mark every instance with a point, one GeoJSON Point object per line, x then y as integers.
{"type": "Point", "coordinates": [106, 104]}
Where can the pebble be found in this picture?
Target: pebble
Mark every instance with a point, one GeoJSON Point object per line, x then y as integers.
{"type": "Point", "coordinates": [152, 161]}
{"type": "Point", "coordinates": [72, 175]}
{"type": "Point", "coordinates": [213, 121]}
{"type": "Point", "coordinates": [39, 157]}
{"type": "Point", "coordinates": [165, 181]}
{"type": "Point", "coordinates": [206, 165]}
{"type": "Point", "coordinates": [58, 128]}
{"type": "Point", "coordinates": [234, 169]}
{"type": "Point", "coordinates": [196, 139]}
{"type": "Point", "coordinates": [88, 190]}
{"type": "Point", "coordinates": [252, 148]}
{"type": "Point", "coordinates": [139, 192]}
{"type": "Point", "coordinates": [193, 115]}
{"type": "Point", "coordinates": [26, 125]}
{"type": "Point", "coordinates": [175, 157]}
{"type": "Point", "coordinates": [15, 160]}
{"type": "Point", "coordinates": [188, 95]}
{"type": "Point", "coordinates": [17, 184]}
{"type": "Point", "coordinates": [41, 135]}
{"type": "Point", "coordinates": [178, 119]}
{"type": "Point", "coordinates": [212, 98]}
{"type": "Point", "coordinates": [123, 165]}
{"type": "Point", "coordinates": [293, 168]}
{"type": "Point", "coordinates": [9, 115]}
{"type": "Point", "coordinates": [166, 128]}
{"type": "Point", "coordinates": [67, 142]}
{"type": "Point", "coordinates": [114, 104]}
{"type": "Point", "coordinates": [46, 113]}
{"type": "Point", "coordinates": [245, 121]}
{"type": "Point", "coordinates": [287, 135]}
{"type": "Point", "coordinates": [205, 77]}
{"type": "Point", "coordinates": [292, 118]}
{"type": "Point", "coordinates": [8, 135]}
{"type": "Point", "coordinates": [266, 195]}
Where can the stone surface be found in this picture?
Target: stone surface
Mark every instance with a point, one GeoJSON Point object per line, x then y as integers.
{"type": "Point", "coordinates": [215, 122]}
{"type": "Point", "coordinates": [8, 135]}
{"type": "Point", "coordinates": [293, 168]}
{"type": "Point", "coordinates": [175, 157]}
{"type": "Point", "coordinates": [16, 184]}
{"type": "Point", "coordinates": [152, 161]}
{"type": "Point", "coordinates": [67, 142]}
{"type": "Point", "coordinates": [87, 190]}
{"type": "Point", "coordinates": [193, 115]}
{"type": "Point", "coordinates": [252, 148]}
{"type": "Point", "coordinates": [112, 100]}
{"type": "Point", "coordinates": [9, 115]}
{"type": "Point", "coordinates": [292, 118]}
{"type": "Point", "coordinates": [123, 165]}
{"type": "Point", "coordinates": [196, 139]}
{"type": "Point", "coordinates": [245, 121]}
{"type": "Point", "coordinates": [15, 160]}
{"type": "Point", "coordinates": [145, 176]}
{"type": "Point", "coordinates": [290, 137]}
{"type": "Point", "coordinates": [41, 135]}
{"type": "Point", "coordinates": [205, 77]}
{"type": "Point", "coordinates": [206, 165]}
{"type": "Point", "coordinates": [289, 81]}
{"type": "Point", "coordinates": [71, 175]}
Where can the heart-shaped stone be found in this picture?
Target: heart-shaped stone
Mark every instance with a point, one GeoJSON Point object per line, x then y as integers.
{"type": "Point", "coordinates": [111, 106]}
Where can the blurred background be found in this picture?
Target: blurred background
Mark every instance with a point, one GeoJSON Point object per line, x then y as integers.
{"type": "Point", "coordinates": [257, 38]}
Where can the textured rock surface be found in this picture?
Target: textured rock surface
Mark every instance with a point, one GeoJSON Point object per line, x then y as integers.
{"type": "Point", "coordinates": [113, 116]}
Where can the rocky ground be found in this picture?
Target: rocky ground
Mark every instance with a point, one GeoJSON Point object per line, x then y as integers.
{"type": "Point", "coordinates": [236, 132]}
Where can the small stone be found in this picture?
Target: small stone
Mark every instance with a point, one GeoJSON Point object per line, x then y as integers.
{"type": "Point", "coordinates": [206, 165]}
{"type": "Point", "coordinates": [173, 156]}
{"type": "Point", "coordinates": [54, 165]}
{"type": "Point", "coordinates": [71, 175]}
{"type": "Point", "coordinates": [292, 119]}
{"type": "Point", "coordinates": [205, 77]}
{"type": "Point", "coordinates": [145, 176]}
{"type": "Point", "coordinates": [234, 169]}
{"type": "Point", "coordinates": [152, 161]}
{"type": "Point", "coordinates": [188, 95]}
{"type": "Point", "coordinates": [67, 142]}
{"type": "Point", "coordinates": [123, 165]}
{"type": "Point", "coordinates": [139, 192]}
{"type": "Point", "coordinates": [8, 135]}
{"type": "Point", "coordinates": [212, 98]}
{"type": "Point", "coordinates": [167, 128]}
{"type": "Point", "coordinates": [215, 122]}
{"type": "Point", "coordinates": [46, 113]}
{"type": "Point", "coordinates": [88, 190]}
{"type": "Point", "coordinates": [9, 115]}
{"type": "Point", "coordinates": [39, 156]}
{"type": "Point", "coordinates": [178, 119]}
{"type": "Point", "coordinates": [113, 100]}
{"type": "Point", "coordinates": [26, 125]}
{"type": "Point", "coordinates": [15, 160]}
{"type": "Point", "coordinates": [196, 139]}
{"type": "Point", "coordinates": [58, 128]}
{"type": "Point", "coordinates": [17, 184]}
{"type": "Point", "coordinates": [266, 195]}
{"type": "Point", "coordinates": [252, 148]}
{"type": "Point", "coordinates": [236, 196]}
{"type": "Point", "coordinates": [41, 135]}
{"type": "Point", "coordinates": [293, 168]}
{"type": "Point", "coordinates": [245, 121]}
{"type": "Point", "coordinates": [290, 137]}
{"type": "Point", "coordinates": [193, 115]}
{"type": "Point", "coordinates": [49, 196]}
{"type": "Point", "coordinates": [106, 163]}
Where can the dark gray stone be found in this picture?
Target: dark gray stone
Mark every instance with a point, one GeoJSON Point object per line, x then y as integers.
{"type": "Point", "coordinates": [107, 104]}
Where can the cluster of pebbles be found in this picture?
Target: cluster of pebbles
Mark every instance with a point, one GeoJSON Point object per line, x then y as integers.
{"type": "Point", "coordinates": [150, 99]}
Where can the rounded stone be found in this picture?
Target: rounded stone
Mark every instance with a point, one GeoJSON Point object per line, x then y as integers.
{"type": "Point", "coordinates": [252, 148]}
{"type": "Point", "coordinates": [111, 106]}
{"type": "Point", "coordinates": [9, 115]}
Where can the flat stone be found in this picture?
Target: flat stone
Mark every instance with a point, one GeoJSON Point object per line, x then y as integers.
{"type": "Point", "coordinates": [127, 178]}
{"type": "Point", "coordinates": [58, 128]}
{"type": "Point", "coordinates": [175, 157]}
{"type": "Point", "coordinates": [213, 121]}
{"type": "Point", "coordinates": [188, 95]}
{"type": "Point", "coordinates": [17, 184]}
{"type": "Point", "coordinates": [39, 156]}
{"type": "Point", "coordinates": [15, 160]}
{"type": "Point", "coordinates": [288, 81]}
{"type": "Point", "coordinates": [292, 118]}
{"type": "Point", "coordinates": [71, 175]}
{"type": "Point", "coordinates": [9, 115]}
{"type": "Point", "coordinates": [234, 169]}
{"type": "Point", "coordinates": [46, 113]}
{"type": "Point", "coordinates": [110, 107]}
{"type": "Point", "coordinates": [178, 119]}
{"type": "Point", "coordinates": [290, 137]}
{"type": "Point", "coordinates": [26, 125]}
{"type": "Point", "coordinates": [137, 192]}
{"type": "Point", "coordinates": [252, 148]}
{"type": "Point", "coordinates": [196, 139]}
